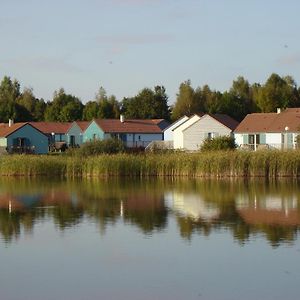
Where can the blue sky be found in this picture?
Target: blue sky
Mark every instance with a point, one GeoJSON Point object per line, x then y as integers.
{"type": "Point", "coordinates": [126, 45]}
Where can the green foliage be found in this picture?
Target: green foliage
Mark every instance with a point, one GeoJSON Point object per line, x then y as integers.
{"type": "Point", "coordinates": [148, 104]}
{"type": "Point", "coordinates": [90, 111]}
{"type": "Point", "coordinates": [64, 108]}
{"type": "Point", "coordinates": [186, 103]}
{"type": "Point", "coordinates": [218, 143]}
{"type": "Point", "coordinates": [277, 92]}
{"type": "Point", "coordinates": [103, 107]}
{"type": "Point", "coordinates": [208, 164]}
{"type": "Point", "coordinates": [97, 147]}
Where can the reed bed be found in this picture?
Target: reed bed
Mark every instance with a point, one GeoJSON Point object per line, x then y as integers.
{"type": "Point", "coordinates": [269, 164]}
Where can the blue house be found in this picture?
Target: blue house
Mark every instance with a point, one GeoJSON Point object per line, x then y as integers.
{"type": "Point", "coordinates": [133, 132]}
{"type": "Point", "coordinates": [74, 135]}
{"type": "Point", "coordinates": [22, 138]}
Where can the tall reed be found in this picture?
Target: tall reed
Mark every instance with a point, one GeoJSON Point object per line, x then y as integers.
{"type": "Point", "coordinates": [270, 164]}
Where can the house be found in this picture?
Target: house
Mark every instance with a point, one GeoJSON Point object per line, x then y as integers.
{"type": "Point", "coordinates": [192, 133]}
{"type": "Point", "coordinates": [22, 138]}
{"type": "Point", "coordinates": [55, 131]}
{"type": "Point", "coordinates": [269, 130]}
{"type": "Point", "coordinates": [134, 133]}
{"type": "Point", "coordinates": [269, 209]}
{"type": "Point", "coordinates": [74, 135]}
{"type": "Point", "coordinates": [168, 132]}
{"type": "Point", "coordinates": [178, 131]}
{"type": "Point", "coordinates": [193, 206]}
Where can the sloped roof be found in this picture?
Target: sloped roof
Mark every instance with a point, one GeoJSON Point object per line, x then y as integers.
{"type": "Point", "coordinates": [185, 123]}
{"type": "Point", "coordinates": [271, 217]}
{"type": "Point", "coordinates": [271, 122]}
{"type": "Point", "coordinates": [49, 127]}
{"type": "Point", "coordinates": [225, 120]}
{"type": "Point", "coordinates": [83, 125]}
{"type": "Point", "coordinates": [5, 130]}
{"type": "Point", "coordinates": [177, 122]}
{"type": "Point", "coordinates": [130, 126]}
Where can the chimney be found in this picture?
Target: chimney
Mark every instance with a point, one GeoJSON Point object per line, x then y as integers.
{"type": "Point", "coordinates": [122, 119]}
{"type": "Point", "coordinates": [278, 110]}
{"type": "Point", "coordinates": [10, 122]}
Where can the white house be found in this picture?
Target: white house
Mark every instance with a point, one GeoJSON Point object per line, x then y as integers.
{"type": "Point", "coordinates": [178, 131]}
{"type": "Point", "coordinates": [168, 132]}
{"type": "Point", "coordinates": [191, 134]}
{"type": "Point", "coordinates": [269, 130]}
{"type": "Point", "coordinates": [192, 206]}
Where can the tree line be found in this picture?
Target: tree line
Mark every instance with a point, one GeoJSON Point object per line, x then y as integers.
{"type": "Point", "coordinates": [241, 99]}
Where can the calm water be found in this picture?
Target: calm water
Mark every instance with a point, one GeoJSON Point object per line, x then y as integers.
{"type": "Point", "coordinates": [149, 240]}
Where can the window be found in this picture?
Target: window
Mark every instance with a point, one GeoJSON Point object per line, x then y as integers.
{"type": "Point", "coordinates": [209, 136]}
{"type": "Point", "coordinates": [252, 137]}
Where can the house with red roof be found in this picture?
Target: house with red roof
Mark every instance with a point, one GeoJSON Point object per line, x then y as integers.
{"type": "Point", "coordinates": [191, 134]}
{"type": "Point", "coordinates": [74, 135]}
{"type": "Point", "coordinates": [22, 138]}
{"type": "Point", "coordinates": [133, 132]}
{"type": "Point", "coordinates": [269, 130]}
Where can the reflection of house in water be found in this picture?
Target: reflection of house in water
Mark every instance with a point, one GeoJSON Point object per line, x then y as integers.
{"type": "Point", "coordinates": [192, 206]}
{"type": "Point", "coordinates": [59, 197]}
{"type": "Point", "coordinates": [18, 203]}
{"type": "Point", "coordinates": [272, 210]}
{"type": "Point", "coordinates": [146, 210]}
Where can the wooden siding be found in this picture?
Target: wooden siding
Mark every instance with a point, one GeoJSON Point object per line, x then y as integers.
{"type": "Point", "coordinates": [194, 135]}
{"type": "Point", "coordinates": [168, 132]}
{"type": "Point", "coordinates": [93, 132]}
{"type": "Point", "coordinates": [34, 137]}
{"type": "Point", "coordinates": [76, 132]}
{"type": "Point", "coordinates": [178, 132]}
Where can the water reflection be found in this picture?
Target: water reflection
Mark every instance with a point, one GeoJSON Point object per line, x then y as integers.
{"type": "Point", "coordinates": [247, 209]}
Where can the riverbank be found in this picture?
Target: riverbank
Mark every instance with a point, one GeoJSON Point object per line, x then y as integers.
{"type": "Point", "coordinates": [269, 164]}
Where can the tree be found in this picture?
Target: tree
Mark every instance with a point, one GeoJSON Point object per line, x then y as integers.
{"type": "Point", "coordinates": [90, 111]}
{"type": "Point", "coordinates": [64, 108]}
{"type": "Point", "coordinates": [231, 105]}
{"type": "Point", "coordinates": [242, 90]}
{"type": "Point", "coordinates": [147, 104]}
{"type": "Point", "coordinates": [9, 92]}
{"type": "Point", "coordinates": [277, 92]}
{"type": "Point", "coordinates": [185, 102]}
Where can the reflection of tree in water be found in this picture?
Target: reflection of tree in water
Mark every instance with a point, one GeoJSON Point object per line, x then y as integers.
{"type": "Point", "coordinates": [12, 223]}
{"type": "Point", "coordinates": [140, 203]}
{"type": "Point", "coordinates": [245, 208]}
{"type": "Point", "coordinates": [277, 226]}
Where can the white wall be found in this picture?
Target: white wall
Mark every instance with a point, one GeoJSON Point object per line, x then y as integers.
{"type": "Point", "coordinates": [178, 132]}
{"type": "Point", "coordinates": [168, 132]}
{"type": "Point", "coordinates": [273, 138]}
{"type": "Point", "coordinates": [195, 134]}
{"type": "Point", "coordinates": [239, 140]}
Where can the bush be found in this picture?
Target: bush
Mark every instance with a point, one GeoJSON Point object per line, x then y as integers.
{"type": "Point", "coordinates": [109, 146]}
{"type": "Point", "coordinates": [218, 143]}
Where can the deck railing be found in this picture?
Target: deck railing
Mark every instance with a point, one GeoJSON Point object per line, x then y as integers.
{"type": "Point", "coordinates": [278, 146]}
{"type": "Point", "coordinates": [21, 150]}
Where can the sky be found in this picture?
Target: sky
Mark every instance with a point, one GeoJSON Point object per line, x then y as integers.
{"type": "Point", "coordinates": [127, 45]}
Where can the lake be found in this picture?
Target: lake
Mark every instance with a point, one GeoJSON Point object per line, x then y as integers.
{"type": "Point", "coordinates": [149, 239]}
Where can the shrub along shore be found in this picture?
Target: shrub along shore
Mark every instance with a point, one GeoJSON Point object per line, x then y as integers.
{"type": "Point", "coordinates": [213, 164]}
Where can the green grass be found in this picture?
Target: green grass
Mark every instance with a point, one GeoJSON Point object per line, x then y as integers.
{"type": "Point", "coordinates": [271, 164]}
